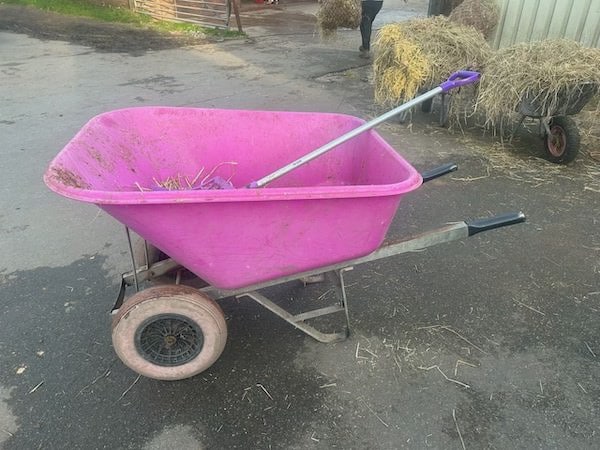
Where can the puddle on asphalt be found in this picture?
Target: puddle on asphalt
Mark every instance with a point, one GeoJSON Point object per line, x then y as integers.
{"type": "Point", "coordinates": [8, 421]}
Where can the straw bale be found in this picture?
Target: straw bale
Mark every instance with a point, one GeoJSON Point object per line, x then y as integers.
{"type": "Point", "coordinates": [421, 53]}
{"type": "Point", "coordinates": [588, 122]}
{"type": "Point", "coordinates": [482, 15]}
{"type": "Point", "coordinates": [544, 73]}
{"type": "Point", "coordinates": [334, 14]}
{"type": "Point", "coordinates": [400, 67]}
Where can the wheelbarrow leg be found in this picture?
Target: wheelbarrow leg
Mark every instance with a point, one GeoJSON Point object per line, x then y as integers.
{"type": "Point", "coordinates": [133, 262]}
{"type": "Point", "coordinates": [337, 279]}
{"type": "Point", "coordinates": [299, 320]}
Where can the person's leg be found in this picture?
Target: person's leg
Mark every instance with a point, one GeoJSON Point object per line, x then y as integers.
{"type": "Point", "coordinates": [370, 9]}
{"type": "Point", "coordinates": [365, 27]}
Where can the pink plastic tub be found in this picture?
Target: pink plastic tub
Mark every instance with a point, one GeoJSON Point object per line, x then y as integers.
{"type": "Point", "coordinates": [335, 208]}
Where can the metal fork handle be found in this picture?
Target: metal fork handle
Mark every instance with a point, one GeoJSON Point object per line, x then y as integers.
{"type": "Point", "coordinates": [345, 137]}
{"type": "Point", "coordinates": [458, 79]}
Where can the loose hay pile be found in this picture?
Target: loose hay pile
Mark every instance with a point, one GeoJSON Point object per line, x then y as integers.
{"type": "Point", "coordinates": [480, 14]}
{"type": "Point", "coordinates": [334, 14]}
{"type": "Point", "coordinates": [540, 74]}
{"type": "Point", "coordinates": [588, 122]}
{"type": "Point", "coordinates": [421, 53]}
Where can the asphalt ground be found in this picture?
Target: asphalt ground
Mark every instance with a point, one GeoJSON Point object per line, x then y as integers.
{"type": "Point", "coordinates": [487, 342]}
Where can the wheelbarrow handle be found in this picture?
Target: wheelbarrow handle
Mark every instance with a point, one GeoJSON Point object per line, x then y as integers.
{"type": "Point", "coordinates": [437, 172]}
{"type": "Point", "coordinates": [460, 78]}
{"type": "Point", "coordinates": [479, 225]}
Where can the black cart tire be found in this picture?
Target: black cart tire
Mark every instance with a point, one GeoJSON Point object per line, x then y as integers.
{"type": "Point", "coordinates": [563, 142]}
{"type": "Point", "coordinates": [169, 332]}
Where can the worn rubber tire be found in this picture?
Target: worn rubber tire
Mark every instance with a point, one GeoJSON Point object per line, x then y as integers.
{"type": "Point", "coordinates": [151, 306]}
{"type": "Point", "coordinates": [562, 146]}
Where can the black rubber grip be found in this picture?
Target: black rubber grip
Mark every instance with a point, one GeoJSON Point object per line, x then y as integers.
{"type": "Point", "coordinates": [503, 220]}
{"type": "Point", "coordinates": [432, 174]}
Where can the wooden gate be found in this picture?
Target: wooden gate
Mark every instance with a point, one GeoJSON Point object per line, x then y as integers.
{"type": "Point", "coordinates": [213, 13]}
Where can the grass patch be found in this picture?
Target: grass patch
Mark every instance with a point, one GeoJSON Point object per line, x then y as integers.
{"type": "Point", "coordinates": [79, 8]}
{"type": "Point", "coordinates": [221, 33]}
{"type": "Point", "coordinates": [121, 15]}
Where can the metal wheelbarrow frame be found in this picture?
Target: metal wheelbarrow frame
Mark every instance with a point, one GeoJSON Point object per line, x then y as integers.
{"type": "Point", "coordinates": [170, 271]}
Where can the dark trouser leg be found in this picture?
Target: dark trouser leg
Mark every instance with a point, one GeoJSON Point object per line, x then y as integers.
{"type": "Point", "coordinates": [370, 9]}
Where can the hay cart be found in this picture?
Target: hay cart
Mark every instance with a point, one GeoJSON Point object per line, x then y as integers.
{"type": "Point", "coordinates": [203, 245]}
{"type": "Point", "coordinates": [558, 131]}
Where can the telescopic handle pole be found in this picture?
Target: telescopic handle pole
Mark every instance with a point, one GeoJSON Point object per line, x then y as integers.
{"type": "Point", "coordinates": [457, 79]}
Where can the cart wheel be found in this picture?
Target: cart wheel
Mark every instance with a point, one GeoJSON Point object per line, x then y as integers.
{"type": "Point", "coordinates": [562, 144]}
{"type": "Point", "coordinates": [169, 332]}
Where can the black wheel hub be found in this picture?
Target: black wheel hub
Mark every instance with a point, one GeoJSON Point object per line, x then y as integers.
{"type": "Point", "coordinates": [169, 340]}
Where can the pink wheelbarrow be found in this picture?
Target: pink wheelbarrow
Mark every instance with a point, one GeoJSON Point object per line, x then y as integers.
{"type": "Point", "coordinates": [315, 220]}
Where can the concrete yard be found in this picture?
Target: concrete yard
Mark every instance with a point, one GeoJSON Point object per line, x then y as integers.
{"type": "Point", "coordinates": [488, 342]}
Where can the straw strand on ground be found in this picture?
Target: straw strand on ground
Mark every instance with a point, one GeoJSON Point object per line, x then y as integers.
{"type": "Point", "coordinates": [460, 383]}
{"type": "Point", "coordinates": [458, 429]}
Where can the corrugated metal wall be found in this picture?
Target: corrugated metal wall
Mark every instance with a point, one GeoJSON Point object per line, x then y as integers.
{"type": "Point", "coordinates": [533, 20]}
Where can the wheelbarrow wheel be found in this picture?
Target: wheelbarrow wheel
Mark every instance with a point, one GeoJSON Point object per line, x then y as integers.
{"type": "Point", "coordinates": [562, 144]}
{"type": "Point", "coordinates": [169, 332]}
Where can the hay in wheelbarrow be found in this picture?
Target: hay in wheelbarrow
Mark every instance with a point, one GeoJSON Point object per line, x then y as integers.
{"type": "Point", "coordinates": [588, 122]}
{"type": "Point", "coordinates": [545, 73]}
{"type": "Point", "coordinates": [417, 54]}
{"type": "Point", "coordinates": [482, 15]}
{"type": "Point", "coordinates": [334, 14]}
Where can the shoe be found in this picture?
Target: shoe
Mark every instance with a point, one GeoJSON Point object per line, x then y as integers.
{"type": "Point", "coordinates": [366, 54]}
